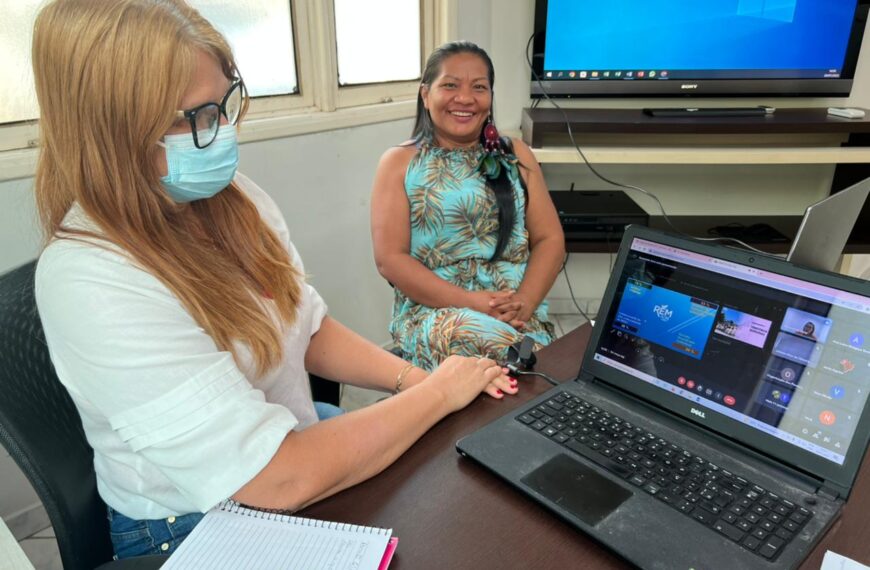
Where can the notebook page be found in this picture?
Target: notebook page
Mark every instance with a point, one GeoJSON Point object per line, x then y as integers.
{"type": "Point", "coordinates": [230, 540]}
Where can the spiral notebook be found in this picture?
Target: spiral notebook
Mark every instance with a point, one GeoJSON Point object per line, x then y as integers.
{"type": "Point", "coordinates": [234, 537]}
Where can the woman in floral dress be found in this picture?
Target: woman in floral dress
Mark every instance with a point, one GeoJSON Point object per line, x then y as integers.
{"type": "Point", "coordinates": [462, 223]}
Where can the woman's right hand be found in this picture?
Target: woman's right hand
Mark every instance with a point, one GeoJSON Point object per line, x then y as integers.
{"type": "Point", "coordinates": [479, 301]}
{"type": "Point", "coordinates": [461, 378]}
{"type": "Point", "coordinates": [490, 303]}
{"type": "Point", "coordinates": [505, 306]}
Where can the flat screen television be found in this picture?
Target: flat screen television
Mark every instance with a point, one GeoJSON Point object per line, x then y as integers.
{"type": "Point", "coordinates": [594, 48]}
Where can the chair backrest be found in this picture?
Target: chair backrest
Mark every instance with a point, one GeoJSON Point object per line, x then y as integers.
{"type": "Point", "coordinates": [41, 429]}
{"type": "Point", "coordinates": [323, 390]}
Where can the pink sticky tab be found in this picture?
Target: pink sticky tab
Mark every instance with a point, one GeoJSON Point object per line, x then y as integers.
{"type": "Point", "coordinates": [388, 553]}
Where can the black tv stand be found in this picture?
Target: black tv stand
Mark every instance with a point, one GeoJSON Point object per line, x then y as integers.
{"type": "Point", "coordinates": [540, 124]}
{"type": "Point", "coordinates": [707, 112]}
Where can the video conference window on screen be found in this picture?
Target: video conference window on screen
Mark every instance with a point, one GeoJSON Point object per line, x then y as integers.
{"type": "Point", "coordinates": [713, 39]}
{"type": "Point", "coordinates": [785, 357]}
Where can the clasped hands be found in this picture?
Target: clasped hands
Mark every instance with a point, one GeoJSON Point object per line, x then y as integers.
{"type": "Point", "coordinates": [507, 306]}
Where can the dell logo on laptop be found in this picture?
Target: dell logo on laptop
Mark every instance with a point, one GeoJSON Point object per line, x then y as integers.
{"type": "Point", "coordinates": [698, 413]}
{"type": "Point", "coordinates": [689, 86]}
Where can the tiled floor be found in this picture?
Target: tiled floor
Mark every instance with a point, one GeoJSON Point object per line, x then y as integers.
{"type": "Point", "coordinates": [41, 548]}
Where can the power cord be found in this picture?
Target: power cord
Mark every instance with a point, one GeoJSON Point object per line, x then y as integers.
{"type": "Point", "coordinates": [608, 180]}
{"type": "Point", "coordinates": [609, 252]}
{"type": "Point", "coordinates": [516, 371]}
{"type": "Point", "coordinates": [521, 359]}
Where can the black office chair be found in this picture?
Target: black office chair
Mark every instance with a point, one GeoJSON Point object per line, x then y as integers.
{"type": "Point", "coordinates": [323, 390]}
{"type": "Point", "coordinates": [41, 430]}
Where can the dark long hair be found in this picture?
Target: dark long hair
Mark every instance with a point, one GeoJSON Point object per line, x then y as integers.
{"type": "Point", "coordinates": [424, 131]}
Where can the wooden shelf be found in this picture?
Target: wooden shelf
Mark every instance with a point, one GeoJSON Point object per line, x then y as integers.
{"type": "Point", "coordinates": [541, 127]}
{"type": "Point", "coordinates": [538, 123]}
{"type": "Point", "coordinates": [704, 155]}
{"type": "Point", "coordinates": [671, 140]}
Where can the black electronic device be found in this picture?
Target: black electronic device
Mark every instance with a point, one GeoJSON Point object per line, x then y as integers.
{"type": "Point", "coordinates": [673, 48]}
{"type": "Point", "coordinates": [717, 408]}
{"type": "Point", "coordinates": [708, 111]}
{"type": "Point", "coordinates": [755, 233]}
{"type": "Point", "coordinates": [522, 354]}
{"type": "Point", "coordinates": [598, 214]}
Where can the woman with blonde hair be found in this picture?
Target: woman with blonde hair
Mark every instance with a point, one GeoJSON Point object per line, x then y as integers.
{"type": "Point", "coordinates": [173, 302]}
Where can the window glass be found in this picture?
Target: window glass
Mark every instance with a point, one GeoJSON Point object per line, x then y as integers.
{"type": "Point", "coordinates": [17, 95]}
{"type": "Point", "coordinates": [261, 35]}
{"type": "Point", "coordinates": [377, 40]}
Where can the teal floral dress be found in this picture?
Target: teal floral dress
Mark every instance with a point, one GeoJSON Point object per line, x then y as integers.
{"type": "Point", "coordinates": [454, 231]}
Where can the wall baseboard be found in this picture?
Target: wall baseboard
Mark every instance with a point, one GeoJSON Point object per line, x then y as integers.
{"type": "Point", "coordinates": [28, 521]}
{"type": "Point", "coordinates": [564, 306]}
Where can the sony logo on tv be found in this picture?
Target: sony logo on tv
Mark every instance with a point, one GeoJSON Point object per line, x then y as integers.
{"type": "Point", "coordinates": [699, 413]}
{"type": "Point", "coordinates": [689, 86]}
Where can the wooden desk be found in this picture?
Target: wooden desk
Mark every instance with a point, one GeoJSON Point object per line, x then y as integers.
{"type": "Point", "coordinates": [450, 513]}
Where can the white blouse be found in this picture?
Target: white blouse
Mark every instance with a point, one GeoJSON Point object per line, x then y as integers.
{"type": "Point", "coordinates": [176, 424]}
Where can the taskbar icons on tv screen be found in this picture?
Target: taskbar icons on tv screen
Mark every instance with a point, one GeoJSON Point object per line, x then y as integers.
{"type": "Point", "coordinates": [606, 74]}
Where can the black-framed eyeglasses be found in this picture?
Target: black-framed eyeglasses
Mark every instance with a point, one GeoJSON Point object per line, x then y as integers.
{"type": "Point", "coordinates": [205, 119]}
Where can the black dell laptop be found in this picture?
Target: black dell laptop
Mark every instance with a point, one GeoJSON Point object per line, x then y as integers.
{"type": "Point", "coordinates": [719, 417]}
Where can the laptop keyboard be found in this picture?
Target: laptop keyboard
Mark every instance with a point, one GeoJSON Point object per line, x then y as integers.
{"type": "Point", "coordinates": [744, 512]}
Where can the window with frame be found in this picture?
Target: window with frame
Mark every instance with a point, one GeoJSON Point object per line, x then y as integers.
{"type": "Point", "coordinates": [379, 49]}
{"type": "Point", "coordinates": [297, 57]}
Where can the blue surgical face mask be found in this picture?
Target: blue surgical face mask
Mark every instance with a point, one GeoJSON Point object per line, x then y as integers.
{"type": "Point", "coordinates": [199, 173]}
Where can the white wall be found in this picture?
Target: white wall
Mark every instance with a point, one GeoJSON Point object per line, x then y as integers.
{"type": "Point", "coordinates": [19, 237]}
{"type": "Point", "coordinates": [322, 183]}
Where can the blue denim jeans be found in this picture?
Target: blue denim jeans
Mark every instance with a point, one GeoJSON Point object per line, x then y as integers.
{"type": "Point", "coordinates": [326, 411]}
{"type": "Point", "coordinates": [131, 537]}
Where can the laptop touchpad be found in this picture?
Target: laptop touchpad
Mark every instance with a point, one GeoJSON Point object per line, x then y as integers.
{"type": "Point", "coordinates": [577, 488]}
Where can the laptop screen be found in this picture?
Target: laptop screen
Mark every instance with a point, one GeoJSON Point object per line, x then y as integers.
{"type": "Point", "coordinates": [784, 356]}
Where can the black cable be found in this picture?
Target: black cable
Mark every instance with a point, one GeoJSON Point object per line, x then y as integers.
{"type": "Point", "coordinates": [515, 371]}
{"type": "Point", "coordinates": [604, 178]}
{"type": "Point", "coordinates": [609, 251]}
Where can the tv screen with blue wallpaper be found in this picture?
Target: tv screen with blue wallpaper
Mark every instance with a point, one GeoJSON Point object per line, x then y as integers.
{"type": "Point", "coordinates": [622, 41]}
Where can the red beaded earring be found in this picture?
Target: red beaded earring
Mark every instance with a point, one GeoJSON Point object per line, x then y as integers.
{"type": "Point", "coordinates": [494, 157]}
{"type": "Point", "coordinates": [491, 138]}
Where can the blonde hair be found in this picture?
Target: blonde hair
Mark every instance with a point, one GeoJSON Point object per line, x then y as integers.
{"type": "Point", "coordinates": [110, 77]}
